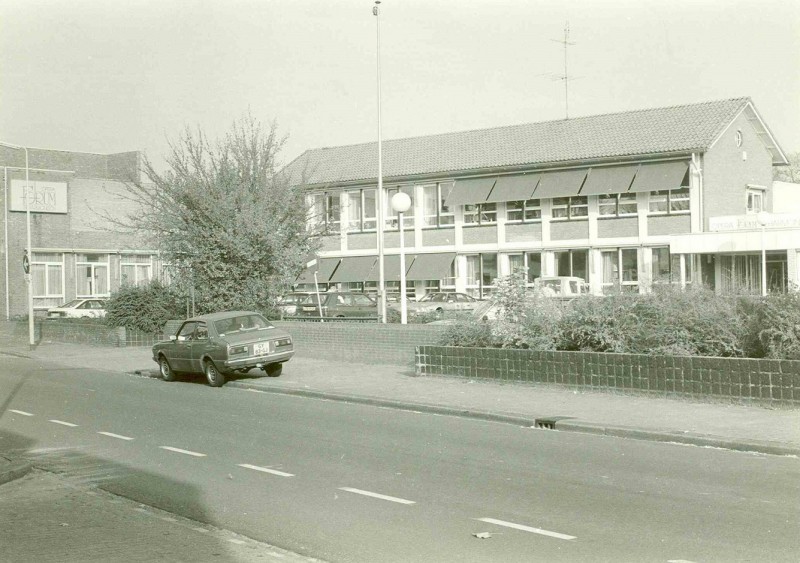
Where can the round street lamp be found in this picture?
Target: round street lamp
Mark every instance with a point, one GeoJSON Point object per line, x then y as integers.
{"type": "Point", "coordinates": [763, 219]}
{"type": "Point", "coordinates": [401, 203]}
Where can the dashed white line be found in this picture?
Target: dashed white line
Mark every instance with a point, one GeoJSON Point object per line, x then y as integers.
{"type": "Point", "coordinates": [118, 436]}
{"type": "Point", "coordinates": [180, 451]}
{"type": "Point", "coordinates": [237, 542]}
{"type": "Point", "coordinates": [23, 413]}
{"type": "Point", "coordinates": [62, 423]}
{"type": "Point", "coordinates": [265, 470]}
{"type": "Point", "coordinates": [679, 561]}
{"type": "Point", "coordinates": [377, 495]}
{"type": "Point", "coordinates": [527, 528]}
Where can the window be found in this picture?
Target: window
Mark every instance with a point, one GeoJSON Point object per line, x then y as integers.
{"type": "Point", "coordinates": [480, 213]}
{"type": "Point", "coordinates": [435, 212]}
{"type": "Point", "coordinates": [617, 205]}
{"type": "Point", "coordinates": [481, 274]}
{"type": "Point", "coordinates": [47, 275]}
{"type": "Point", "coordinates": [667, 267]}
{"type": "Point", "coordinates": [572, 263]}
{"type": "Point", "coordinates": [361, 210]}
{"type": "Point", "coordinates": [620, 270]}
{"type": "Point", "coordinates": [529, 262]}
{"type": "Point", "coordinates": [135, 269]}
{"type": "Point", "coordinates": [91, 275]}
{"type": "Point", "coordinates": [326, 212]}
{"type": "Point", "coordinates": [669, 201]}
{"type": "Point", "coordinates": [755, 200]}
{"type": "Point", "coordinates": [392, 218]}
{"type": "Point", "coordinates": [528, 210]}
{"type": "Point", "coordinates": [570, 207]}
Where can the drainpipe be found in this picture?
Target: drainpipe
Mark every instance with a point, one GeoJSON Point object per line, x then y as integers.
{"type": "Point", "coordinates": [5, 239]}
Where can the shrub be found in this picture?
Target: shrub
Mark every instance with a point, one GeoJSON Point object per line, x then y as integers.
{"type": "Point", "coordinates": [144, 307]}
{"type": "Point", "coordinates": [778, 322]}
{"type": "Point", "coordinates": [597, 324]}
{"type": "Point", "coordinates": [467, 334]}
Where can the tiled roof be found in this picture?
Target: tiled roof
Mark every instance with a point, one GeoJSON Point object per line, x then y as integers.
{"type": "Point", "coordinates": [672, 129]}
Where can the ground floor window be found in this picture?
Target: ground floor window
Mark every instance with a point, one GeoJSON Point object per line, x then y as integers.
{"type": "Point", "coordinates": [528, 262]}
{"type": "Point", "coordinates": [481, 274]}
{"type": "Point", "coordinates": [135, 269]}
{"type": "Point", "coordinates": [91, 275]}
{"type": "Point", "coordinates": [47, 277]}
{"type": "Point", "coordinates": [620, 270]}
{"type": "Point", "coordinates": [572, 263]}
{"type": "Point", "coordinates": [741, 273]}
{"type": "Point", "coordinates": [667, 267]}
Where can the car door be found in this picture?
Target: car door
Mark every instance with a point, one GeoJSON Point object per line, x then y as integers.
{"type": "Point", "coordinates": [363, 306]}
{"type": "Point", "coordinates": [182, 346]}
{"type": "Point", "coordinates": [198, 347]}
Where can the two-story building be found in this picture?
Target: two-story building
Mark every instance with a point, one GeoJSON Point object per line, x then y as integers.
{"type": "Point", "coordinates": [624, 200]}
{"type": "Point", "coordinates": [76, 251]}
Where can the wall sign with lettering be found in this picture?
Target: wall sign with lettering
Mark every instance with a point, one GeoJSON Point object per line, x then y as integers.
{"type": "Point", "coordinates": [38, 197]}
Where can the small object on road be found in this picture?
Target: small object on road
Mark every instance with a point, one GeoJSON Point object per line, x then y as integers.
{"type": "Point", "coordinates": [230, 476]}
{"type": "Point", "coordinates": [482, 535]}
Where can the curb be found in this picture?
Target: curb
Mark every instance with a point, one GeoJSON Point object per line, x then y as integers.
{"type": "Point", "coordinates": [13, 470]}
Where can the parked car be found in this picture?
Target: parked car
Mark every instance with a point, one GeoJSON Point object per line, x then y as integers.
{"type": "Point", "coordinates": [289, 303]}
{"type": "Point", "coordinates": [561, 287]}
{"type": "Point", "coordinates": [441, 302]}
{"type": "Point", "coordinates": [222, 344]}
{"type": "Point", "coordinates": [340, 304]}
{"type": "Point", "coordinates": [79, 309]}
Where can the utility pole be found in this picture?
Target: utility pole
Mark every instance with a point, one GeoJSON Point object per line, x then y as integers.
{"type": "Point", "coordinates": [565, 77]}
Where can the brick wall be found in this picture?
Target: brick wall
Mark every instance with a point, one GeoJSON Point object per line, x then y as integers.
{"type": "Point", "coordinates": [766, 382]}
{"type": "Point", "coordinates": [371, 343]}
{"type": "Point", "coordinates": [566, 230]}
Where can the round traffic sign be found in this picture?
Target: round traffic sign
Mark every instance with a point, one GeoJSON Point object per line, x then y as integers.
{"type": "Point", "coordinates": [26, 265]}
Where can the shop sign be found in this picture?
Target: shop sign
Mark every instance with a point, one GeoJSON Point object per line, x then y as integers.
{"type": "Point", "coordinates": [38, 196]}
{"type": "Point", "coordinates": [750, 222]}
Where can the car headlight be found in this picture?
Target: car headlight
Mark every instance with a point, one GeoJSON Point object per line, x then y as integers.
{"type": "Point", "coordinates": [234, 350]}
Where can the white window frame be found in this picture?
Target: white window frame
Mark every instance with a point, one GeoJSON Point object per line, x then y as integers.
{"type": "Point", "coordinates": [529, 210]}
{"type": "Point", "coordinates": [322, 209]}
{"type": "Point", "coordinates": [524, 257]}
{"type": "Point", "coordinates": [130, 260]}
{"type": "Point", "coordinates": [755, 193]}
{"type": "Point", "coordinates": [672, 200]}
{"type": "Point", "coordinates": [613, 205]}
{"type": "Point", "coordinates": [51, 299]}
{"type": "Point", "coordinates": [621, 282]}
{"type": "Point", "coordinates": [575, 208]}
{"type": "Point", "coordinates": [362, 222]}
{"type": "Point", "coordinates": [444, 216]}
{"type": "Point", "coordinates": [393, 219]}
{"type": "Point", "coordinates": [480, 214]}
{"type": "Point", "coordinates": [82, 264]}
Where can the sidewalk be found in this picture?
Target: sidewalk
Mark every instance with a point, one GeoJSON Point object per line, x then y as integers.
{"type": "Point", "coordinates": [747, 428]}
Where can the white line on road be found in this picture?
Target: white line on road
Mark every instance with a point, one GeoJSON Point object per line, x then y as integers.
{"type": "Point", "coordinates": [23, 413]}
{"type": "Point", "coordinates": [377, 495]}
{"type": "Point", "coordinates": [265, 470]}
{"type": "Point", "coordinates": [527, 528]}
{"type": "Point", "coordinates": [237, 542]}
{"type": "Point", "coordinates": [679, 561]}
{"type": "Point", "coordinates": [180, 451]}
{"type": "Point", "coordinates": [62, 423]}
{"type": "Point", "coordinates": [111, 434]}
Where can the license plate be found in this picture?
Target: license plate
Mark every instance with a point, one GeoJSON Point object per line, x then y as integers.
{"type": "Point", "coordinates": [260, 348]}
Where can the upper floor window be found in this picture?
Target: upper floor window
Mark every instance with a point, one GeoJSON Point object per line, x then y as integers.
{"type": "Point", "coordinates": [392, 218]}
{"type": "Point", "coordinates": [326, 213]}
{"type": "Point", "coordinates": [480, 213]}
{"type": "Point", "coordinates": [528, 210]}
{"type": "Point", "coordinates": [617, 205]}
{"type": "Point", "coordinates": [670, 201]}
{"type": "Point", "coordinates": [435, 213]}
{"type": "Point", "coordinates": [361, 208]}
{"type": "Point", "coordinates": [570, 207]}
{"type": "Point", "coordinates": [755, 200]}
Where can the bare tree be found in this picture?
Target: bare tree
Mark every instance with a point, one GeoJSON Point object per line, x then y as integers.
{"type": "Point", "coordinates": [789, 173]}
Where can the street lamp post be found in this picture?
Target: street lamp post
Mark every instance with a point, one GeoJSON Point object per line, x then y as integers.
{"type": "Point", "coordinates": [28, 277]}
{"type": "Point", "coordinates": [380, 196]}
{"type": "Point", "coordinates": [401, 202]}
{"type": "Point", "coordinates": [763, 219]}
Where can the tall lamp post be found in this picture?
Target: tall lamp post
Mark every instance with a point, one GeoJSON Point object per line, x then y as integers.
{"type": "Point", "coordinates": [28, 253]}
{"type": "Point", "coordinates": [763, 219]}
{"type": "Point", "coordinates": [380, 199]}
{"type": "Point", "coordinates": [401, 202]}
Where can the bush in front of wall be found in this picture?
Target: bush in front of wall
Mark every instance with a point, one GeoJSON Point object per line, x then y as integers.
{"type": "Point", "coordinates": [144, 307]}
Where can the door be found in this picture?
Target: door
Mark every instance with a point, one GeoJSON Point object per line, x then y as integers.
{"type": "Point", "coordinates": [198, 348]}
{"type": "Point", "coordinates": [182, 348]}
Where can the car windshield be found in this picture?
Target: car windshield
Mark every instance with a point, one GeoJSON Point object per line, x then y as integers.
{"type": "Point", "coordinates": [73, 303]}
{"type": "Point", "coordinates": [241, 323]}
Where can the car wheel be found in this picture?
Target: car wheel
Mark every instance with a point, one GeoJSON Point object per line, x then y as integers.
{"type": "Point", "coordinates": [274, 370]}
{"type": "Point", "coordinates": [439, 312]}
{"type": "Point", "coordinates": [213, 376]}
{"type": "Point", "coordinates": [166, 370]}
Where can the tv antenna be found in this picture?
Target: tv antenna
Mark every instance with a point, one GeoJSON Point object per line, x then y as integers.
{"type": "Point", "coordinates": [566, 78]}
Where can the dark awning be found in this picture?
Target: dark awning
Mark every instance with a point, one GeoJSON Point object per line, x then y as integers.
{"type": "Point", "coordinates": [391, 268]}
{"type": "Point", "coordinates": [660, 176]}
{"type": "Point", "coordinates": [562, 183]}
{"type": "Point", "coordinates": [324, 267]}
{"type": "Point", "coordinates": [431, 266]}
{"type": "Point", "coordinates": [472, 190]}
{"type": "Point", "coordinates": [513, 188]}
{"type": "Point", "coordinates": [609, 180]}
{"type": "Point", "coordinates": [353, 269]}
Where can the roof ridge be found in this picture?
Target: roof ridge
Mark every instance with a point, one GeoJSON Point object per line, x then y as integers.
{"type": "Point", "coordinates": [741, 99]}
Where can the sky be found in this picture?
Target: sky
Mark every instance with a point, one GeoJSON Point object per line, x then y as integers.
{"type": "Point", "coordinates": [110, 76]}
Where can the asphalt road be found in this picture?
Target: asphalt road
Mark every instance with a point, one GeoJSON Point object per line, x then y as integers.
{"type": "Point", "coordinates": [346, 482]}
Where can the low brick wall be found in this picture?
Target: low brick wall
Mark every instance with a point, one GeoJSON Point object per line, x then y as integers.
{"type": "Point", "coordinates": [368, 343]}
{"type": "Point", "coordinates": [77, 331]}
{"type": "Point", "coordinates": [739, 380]}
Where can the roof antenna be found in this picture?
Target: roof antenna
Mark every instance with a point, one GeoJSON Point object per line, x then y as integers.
{"type": "Point", "coordinates": [565, 77]}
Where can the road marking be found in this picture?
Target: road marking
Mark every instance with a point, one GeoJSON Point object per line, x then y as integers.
{"type": "Point", "coordinates": [111, 434]}
{"type": "Point", "coordinates": [679, 561]}
{"type": "Point", "coordinates": [265, 470]}
{"type": "Point", "coordinates": [237, 542]}
{"type": "Point", "coordinates": [23, 413]}
{"type": "Point", "coordinates": [61, 422]}
{"type": "Point", "coordinates": [527, 528]}
{"type": "Point", "coordinates": [180, 451]}
{"type": "Point", "coordinates": [377, 495]}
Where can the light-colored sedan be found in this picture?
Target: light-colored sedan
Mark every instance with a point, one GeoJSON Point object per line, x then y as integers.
{"type": "Point", "coordinates": [441, 302]}
{"type": "Point", "coordinates": [224, 343]}
{"type": "Point", "coordinates": [79, 309]}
